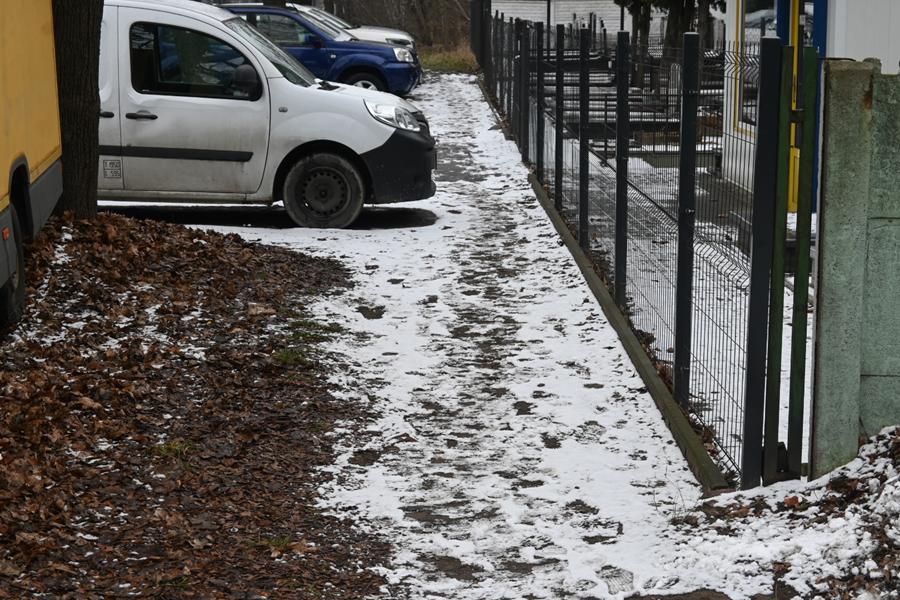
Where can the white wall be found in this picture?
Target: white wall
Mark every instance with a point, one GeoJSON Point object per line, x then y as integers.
{"type": "Point", "coordinates": [530, 10]}
{"type": "Point", "coordinates": [738, 151]}
{"type": "Point", "coordinates": [861, 29]}
{"type": "Point", "coordinates": [563, 10]}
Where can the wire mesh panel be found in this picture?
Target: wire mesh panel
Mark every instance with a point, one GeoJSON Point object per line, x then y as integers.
{"type": "Point", "coordinates": [603, 214]}
{"type": "Point", "coordinates": [550, 174]}
{"type": "Point", "coordinates": [655, 104]}
{"type": "Point", "coordinates": [722, 236]}
{"type": "Point", "coordinates": [655, 122]}
{"type": "Point", "coordinates": [571, 173]}
{"type": "Point", "coordinates": [648, 183]}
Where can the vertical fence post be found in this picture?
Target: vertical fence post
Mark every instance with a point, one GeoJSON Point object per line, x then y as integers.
{"type": "Point", "coordinates": [623, 75]}
{"type": "Point", "coordinates": [772, 418]}
{"type": "Point", "coordinates": [496, 52]}
{"type": "Point", "coordinates": [485, 42]}
{"type": "Point", "coordinates": [560, 125]}
{"type": "Point", "coordinates": [765, 181]}
{"type": "Point", "coordinates": [687, 174]}
{"type": "Point", "coordinates": [507, 52]}
{"type": "Point", "coordinates": [525, 102]}
{"type": "Point", "coordinates": [510, 68]}
{"type": "Point", "coordinates": [487, 29]}
{"type": "Point", "coordinates": [475, 28]}
{"type": "Point", "coordinates": [515, 104]}
{"type": "Point", "coordinates": [490, 73]}
{"type": "Point", "coordinates": [805, 198]}
{"type": "Point", "coordinates": [539, 134]}
{"type": "Point", "coordinates": [549, 25]}
{"type": "Point", "coordinates": [584, 123]}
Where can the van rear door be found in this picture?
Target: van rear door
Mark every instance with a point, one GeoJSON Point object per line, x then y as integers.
{"type": "Point", "coordinates": [109, 175]}
{"type": "Point", "coordinates": [185, 126]}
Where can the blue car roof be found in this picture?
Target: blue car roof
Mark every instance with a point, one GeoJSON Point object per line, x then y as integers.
{"type": "Point", "coordinates": [361, 46]}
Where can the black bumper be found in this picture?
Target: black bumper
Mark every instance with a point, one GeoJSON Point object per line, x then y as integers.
{"type": "Point", "coordinates": [401, 168]}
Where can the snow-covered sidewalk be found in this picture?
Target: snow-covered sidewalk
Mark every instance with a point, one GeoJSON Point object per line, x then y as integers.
{"type": "Point", "coordinates": [513, 452]}
{"type": "Point", "coordinates": [517, 454]}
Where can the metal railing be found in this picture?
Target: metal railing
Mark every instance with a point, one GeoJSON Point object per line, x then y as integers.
{"type": "Point", "coordinates": [662, 162]}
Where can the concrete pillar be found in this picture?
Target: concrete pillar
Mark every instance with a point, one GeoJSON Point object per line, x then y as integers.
{"type": "Point", "coordinates": [842, 252]}
{"type": "Point", "coordinates": [857, 336]}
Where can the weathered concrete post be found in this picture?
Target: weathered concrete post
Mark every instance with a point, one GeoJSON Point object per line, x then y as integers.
{"type": "Point", "coordinates": [857, 344]}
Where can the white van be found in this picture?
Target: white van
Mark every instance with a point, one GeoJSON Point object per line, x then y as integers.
{"type": "Point", "coordinates": [197, 106]}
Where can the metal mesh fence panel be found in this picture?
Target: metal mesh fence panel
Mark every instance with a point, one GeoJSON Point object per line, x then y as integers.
{"type": "Point", "coordinates": [725, 150]}
{"type": "Point", "coordinates": [722, 235]}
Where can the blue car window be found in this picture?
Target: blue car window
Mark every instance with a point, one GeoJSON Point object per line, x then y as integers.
{"type": "Point", "coordinates": [284, 30]}
{"type": "Point", "coordinates": [175, 61]}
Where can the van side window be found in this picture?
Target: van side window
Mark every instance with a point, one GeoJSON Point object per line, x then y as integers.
{"type": "Point", "coordinates": [283, 30]}
{"type": "Point", "coordinates": [173, 61]}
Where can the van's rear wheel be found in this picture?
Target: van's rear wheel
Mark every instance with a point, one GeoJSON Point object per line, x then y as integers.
{"type": "Point", "coordinates": [324, 191]}
{"type": "Point", "coordinates": [12, 294]}
{"type": "Point", "coordinates": [369, 81]}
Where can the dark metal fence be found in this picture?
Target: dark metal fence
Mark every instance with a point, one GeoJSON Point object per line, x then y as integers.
{"type": "Point", "coordinates": [663, 162]}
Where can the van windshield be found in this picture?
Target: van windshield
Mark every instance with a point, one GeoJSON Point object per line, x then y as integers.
{"type": "Point", "coordinates": [292, 70]}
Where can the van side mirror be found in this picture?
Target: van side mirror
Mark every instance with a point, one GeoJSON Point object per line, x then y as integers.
{"type": "Point", "coordinates": [246, 80]}
{"type": "Point", "coordinates": [317, 42]}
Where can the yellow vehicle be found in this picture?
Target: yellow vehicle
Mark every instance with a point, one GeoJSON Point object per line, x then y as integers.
{"type": "Point", "coordinates": [30, 146]}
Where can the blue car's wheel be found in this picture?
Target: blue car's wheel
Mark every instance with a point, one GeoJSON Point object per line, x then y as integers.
{"type": "Point", "coordinates": [369, 81]}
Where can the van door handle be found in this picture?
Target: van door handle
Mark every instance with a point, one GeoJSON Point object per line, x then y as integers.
{"type": "Point", "coordinates": [105, 114]}
{"type": "Point", "coordinates": [141, 116]}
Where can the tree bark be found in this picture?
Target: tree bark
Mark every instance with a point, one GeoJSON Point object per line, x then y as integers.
{"type": "Point", "coordinates": [77, 31]}
{"type": "Point", "coordinates": [422, 17]}
{"type": "Point", "coordinates": [704, 23]}
{"type": "Point", "coordinates": [680, 21]}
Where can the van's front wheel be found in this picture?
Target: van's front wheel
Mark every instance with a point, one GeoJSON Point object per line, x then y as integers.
{"type": "Point", "coordinates": [12, 293]}
{"type": "Point", "coordinates": [324, 191]}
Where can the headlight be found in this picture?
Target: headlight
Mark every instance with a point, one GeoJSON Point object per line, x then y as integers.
{"type": "Point", "coordinates": [395, 116]}
{"type": "Point", "coordinates": [404, 55]}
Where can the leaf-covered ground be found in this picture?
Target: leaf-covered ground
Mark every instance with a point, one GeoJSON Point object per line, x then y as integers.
{"type": "Point", "coordinates": [163, 419]}
{"type": "Point", "coordinates": [836, 537]}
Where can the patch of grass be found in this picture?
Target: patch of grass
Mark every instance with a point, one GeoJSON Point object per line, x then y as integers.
{"type": "Point", "coordinates": [276, 546]}
{"type": "Point", "coordinates": [312, 332]}
{"type": "Point", "coordinates": [174, 450]}
{"type": "Point", "coordinates": [292, 357]}
{"type": "Point", "coordinates": [180, 583]}
{"type": "Point", "coordinates": [308, 337]}
{"type": "Point", "coordinates": [457, 59]}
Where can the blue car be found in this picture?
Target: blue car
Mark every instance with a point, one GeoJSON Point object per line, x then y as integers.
{"type": "Point", "coordinates": [332, 54]}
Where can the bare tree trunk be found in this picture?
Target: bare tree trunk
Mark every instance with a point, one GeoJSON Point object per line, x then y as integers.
{"type": "Point", "coordinates": [77, 31]}
{"type": "Point", "coordinates": [704, 23]}
{"type": "Point", "coordinates": [422, 16]}
{"type": "Point", "coordinates": [680, 21]}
